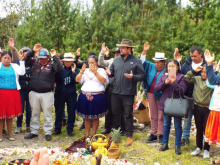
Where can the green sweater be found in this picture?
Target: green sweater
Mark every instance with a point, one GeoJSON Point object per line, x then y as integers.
{"type": "Point", "coordinates": [202, 93]}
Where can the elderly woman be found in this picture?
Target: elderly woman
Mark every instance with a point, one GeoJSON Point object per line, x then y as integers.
{"type": "Point", "coordinates": [10, 100]}
{"type": "Point", "coordinates": [92, 102]}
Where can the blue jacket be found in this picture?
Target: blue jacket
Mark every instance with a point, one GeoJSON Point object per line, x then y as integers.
{"type": "Point", "coordinates": [212, 77]}
{"type": "Point", "coordinates": [150, 72]}
{"type": "Point", "coordinates": [187, 66]}
{"type": "Point", "coordinates": [65, 82]}
{"type": "Point", "coordinates": [24, 80]}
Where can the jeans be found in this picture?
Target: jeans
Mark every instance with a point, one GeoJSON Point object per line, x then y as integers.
{"type": "Point", "coordinates": [178, 129]}
{"type": "Point", "coordinates": [123, 104]}
{"type": "Point", "coordinates": [188, 121]}
{"type": "Point", "coordinates": [25, 105]}
{"type": "Point", "coordinates": [59, 110]}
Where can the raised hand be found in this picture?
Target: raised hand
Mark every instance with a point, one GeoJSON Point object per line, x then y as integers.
{"type": "Point", "coordinates": [41, 157]}
{"type": "Point", "coordinates": [36, 47]}
{"type": "Point", "coordinates": [23, 58]}
{"type": "Point", "coordinates": [83, 68]}
{"type": "Point", "coordinates": [177, 55]}
{"type": "Point", "coordinates": [146, 47]}
{"type": "Point", "coordinates": [78, 52]}
{"type": "Point", "coordinates": [108, 72]}
{"type": "Point", "coordinates": [107, 52]}
{"type": "Point", "coordinates": [104, 47]}
{"type": "Point", "coordinates": [11, 43]}
{"type": "Point", "coordinates": [129, 76]}
{"type": "Point", "coordinates": [73, 67]}
{"type": "Point", "coordinates": [214, 66]}
{"type": "Point", "coordinates": [208, 57]}
{"type": "Point", "coordinates": [198, 69]}
{"type": "Point", "coordinates": [52, 52]}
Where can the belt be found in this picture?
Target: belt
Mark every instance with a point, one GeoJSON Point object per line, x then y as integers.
{"type": "Point", "coordinates": [201, 105]}
{"type": "Point", "coordinates": [89, 95]}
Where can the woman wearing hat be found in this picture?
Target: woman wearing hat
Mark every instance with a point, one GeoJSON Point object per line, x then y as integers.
{"type": "Point", "coordinates": [92, 102]}
{"type": "Point", "coordinates": [153, 73]}
{"type": "Point", "coordinates": [10, 100]}
{"type": "Point", "coordinates": [66, 87]}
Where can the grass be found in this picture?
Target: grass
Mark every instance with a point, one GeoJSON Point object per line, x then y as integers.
{"type": "Point", "coordinates": [140, 152]}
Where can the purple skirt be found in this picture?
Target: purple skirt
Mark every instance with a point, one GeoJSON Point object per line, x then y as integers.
{"type": "Point", "coordinates": [94, 109]}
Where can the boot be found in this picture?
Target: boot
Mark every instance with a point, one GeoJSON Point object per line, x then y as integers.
{"type": "Point", "coordinates": [178, 150]}
{"type": "Point", "coordinates": [164, 147]}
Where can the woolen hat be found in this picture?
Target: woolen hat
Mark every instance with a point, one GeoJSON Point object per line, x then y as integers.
{"type": "Point", "coordinates": [159, 56]}
{"type": "Point", "coordinates": [126, 43]}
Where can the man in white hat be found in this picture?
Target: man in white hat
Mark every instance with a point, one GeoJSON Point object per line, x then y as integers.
{"type": "Point", "coordinates": [127, 71]}
{"type": "Point", "coordinates": [153, 71]}
{"type": "Point", "coordinates": [66, 89]}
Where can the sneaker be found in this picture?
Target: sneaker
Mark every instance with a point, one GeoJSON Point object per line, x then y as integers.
{"type": "Point", "coordinates": [18, 130]}
{"type": "Point", "coordinates": [197, 151]}
{"type": "Point", "coordinates": [28, 129]}
{"type": "Point", "coordinates": [70, 133]}
{"type": "Point", "coordinates": [31, 136]}
{"type": "Point", "coordinates": [206, 154]}
{"type": "Point", "coordinates": [184, 142]}
{"type": "Point", "coordinates": [48, 137]}
{"type": "Point", "coordinates": [82, 127]}
{"type": "Point", "coordinates": [161, 139]}
{"type": "Point", "coordinates": [151, 138]}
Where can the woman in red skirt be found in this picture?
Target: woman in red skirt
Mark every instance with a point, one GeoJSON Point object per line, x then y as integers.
{"type": "Point", "coordinates": [10, 100]}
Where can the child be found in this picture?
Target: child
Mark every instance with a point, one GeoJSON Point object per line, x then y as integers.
{"type": "Point", "coordinates": [66, 84]}
{"type": "Point", "coordinates": [202, 96]}
{"type": "Point", "coordinates": [167, 85]}
{"type": "Point", "coordinates": [212, 132]}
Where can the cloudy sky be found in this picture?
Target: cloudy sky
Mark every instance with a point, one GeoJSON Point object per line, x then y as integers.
{"type": "Point", "coordinates": [89, 2]}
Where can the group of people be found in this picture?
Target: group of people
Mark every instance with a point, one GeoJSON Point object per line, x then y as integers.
{"type": "Point", "coordinates": [108, 89]}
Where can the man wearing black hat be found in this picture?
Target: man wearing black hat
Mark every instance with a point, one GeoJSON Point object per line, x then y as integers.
{"type": "Point", "coordinates": [107, 63]}
{"type": "Point", "coordinates": [127, 71]}
{"type": "Point", "coordinates": [41, 90]}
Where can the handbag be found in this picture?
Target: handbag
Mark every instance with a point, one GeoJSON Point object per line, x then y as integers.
{"type": "Point", "coordinates": [176, 107]}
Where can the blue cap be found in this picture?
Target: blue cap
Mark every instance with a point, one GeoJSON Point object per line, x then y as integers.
{"type": "Point", "coordinates": [43, 53]}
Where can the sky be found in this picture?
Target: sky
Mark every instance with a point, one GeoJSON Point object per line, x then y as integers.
{"type": "Point", "coordinates": [85, 2]}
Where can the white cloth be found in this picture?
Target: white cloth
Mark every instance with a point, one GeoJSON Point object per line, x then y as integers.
{"type": "Point", "coordinates": [19, 71]}
{"type": "Point", "coordinates": [195, 65]}
{"type": "Point", "coordinates": [45, 102]}
{"type": "Point", "coordinates": [143, 58]}
{"type": "Point", "coordinates": [91, 84]}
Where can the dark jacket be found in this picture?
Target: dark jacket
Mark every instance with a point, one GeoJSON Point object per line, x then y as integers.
{"type": "Point", "coordinates": [119, 67]}
{"type": "Point", "coordinates": [212, 77]}
{"type": "Point", "coordinates": [187, 66]}
{"type": "Point", "coordinates": [24, 80]}
{"type": "Point", "coordinates": [80, 64]}
{"type": "Point", "coordinates": [43, 76]}
{"type": "Point", "coordinates": [65, 82]}
{"type": "Point", "coordinates": [167, 89]}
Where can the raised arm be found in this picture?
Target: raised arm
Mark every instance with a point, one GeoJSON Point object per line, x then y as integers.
{"type": "Point", "coordinates": [189, 77]}
{"type": "Point", "coordinates": [143, 55]}
{"type": "Point", "coordinates": [14, 51]}
{"type": "Point", "coordinates": [102, 62]}
{"type": "Point", "coordinates": [80, 75]}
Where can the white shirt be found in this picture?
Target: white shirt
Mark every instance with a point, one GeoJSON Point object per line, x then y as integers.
{"type": "Point", "coordinates": [195, 65]}
{"type": "Point", "coordinates": [91, 84]}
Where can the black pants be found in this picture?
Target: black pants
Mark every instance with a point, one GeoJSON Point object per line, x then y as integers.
{"type": "Point", "coordinates": [201, 115]}
{"type": "Point", "coordinates": [123, 104]}
{"type": "Point", "coordinates": [108, 117]}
